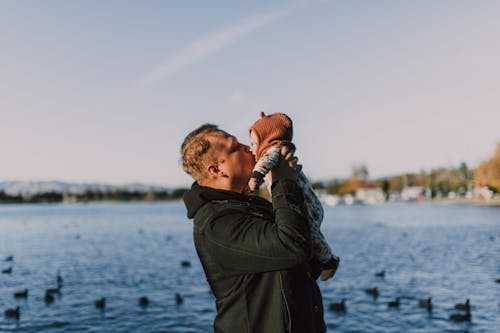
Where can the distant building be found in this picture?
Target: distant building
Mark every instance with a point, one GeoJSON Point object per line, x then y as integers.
{"type": "Point", "coordinates": [371, 196]}
{"type": "Point", "coordinates": [348, 199]}
{"type": "Point", "coordinates": [412, 193]}
{"type": "Point", "coordinates": [482, 192]}
{"type": "Point", "coordinates": [329, 199]}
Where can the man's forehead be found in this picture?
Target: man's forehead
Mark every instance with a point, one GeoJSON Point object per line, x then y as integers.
{"type": "Point", "coordinates": [223, 135]}
{"type": "Point", "coordinates": [222, 139]}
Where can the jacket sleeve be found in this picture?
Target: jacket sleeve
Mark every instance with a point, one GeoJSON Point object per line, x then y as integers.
{"type": "Point", "coordinates": [246, 242]}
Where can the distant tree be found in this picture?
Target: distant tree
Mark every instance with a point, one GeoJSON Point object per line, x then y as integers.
{"type": "Point", "coordinates": [318, 185]}
{"type": "Point", "coordinates": [416, 179]}
{"type": "Point", "coordinates": [6, 198]}
{"type": "Point", "coordinates": [466, 172]}
{"type": "Point", "coordinates": [333, 187]}
{"type": "Point", "coordinates": [396, 183]}
{"type": "Point", "coordinates": [98, 195]}
{"type": "Point", "coordinates": [385, 186]}
{"type": "Point", "coordinates": [87, 195]}
{"type": "Point", "coordinates": [161, 195]}
{"type": "Point", "coordinates": [350, 186]}
{"type": "Point", "coordinates": [149, 196]}
{"type": "Point", "coordinates": [45, 197]}
{"type": "Point", "coordinates": [359, 172]}
{"type": "Point", "coordinates": [178, 193]}
{"type": "Point", "coordinates": [488, 172]}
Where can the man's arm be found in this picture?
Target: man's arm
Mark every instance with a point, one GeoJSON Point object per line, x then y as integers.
{"type": "Point", "coordinates": [245, 241]}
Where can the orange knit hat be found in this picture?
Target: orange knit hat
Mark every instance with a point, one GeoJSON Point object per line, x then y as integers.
{"type": "Point", "coordinates": [273, 130]}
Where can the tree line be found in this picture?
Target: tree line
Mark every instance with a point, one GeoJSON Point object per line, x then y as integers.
{"type": "Point", "coordinates": [488, 172]}
{"type": "Point", "coordinates": [89, 195]}
{"type": "Point", "coordinates": [440, 181]}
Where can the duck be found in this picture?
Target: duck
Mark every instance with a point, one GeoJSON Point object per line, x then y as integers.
{"type": "Point", "coordinates": [13, 313]}
{"type": "Point", "coordinates": [143, 301]}
{"type": "Point", "coordinates": [100, 303]}
{"type": "Point", "coordinates": [185, 263]}
{"type": "Point", "coordinates": [372, 291]}
{"type": "Point", "coordinates": [458, 317]}
{"type": "Point", "coordinates": [381, 273]}
{"type": "Point", "coordinates": [394, 304]}
{"type": "Point", "coordinates": [48, 298]}
{"type": "Point", "coordinates": [21, 294]}
{"type": "Point", "coordinates": [426, 303]}
{"type": "Point", "coordinates": [53, 291]}
{"type": "Point", "coordinates": [339, 307]}
{"type": "Point", "coordinates": [9, 258]}
{"type": "Point", "coordinates": [7, 270]}
{"type": "Point", "coordinates": [178, 298]}
{"type": "Point", "coordinates": [463, 306]}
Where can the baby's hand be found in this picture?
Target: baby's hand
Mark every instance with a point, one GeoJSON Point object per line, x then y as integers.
{"type": "Point", "coordinates": [253, 184]}
{"type": "Point", "coordinates": [327, 274]}
{"type": "Point", "coordinates": [329, 268]}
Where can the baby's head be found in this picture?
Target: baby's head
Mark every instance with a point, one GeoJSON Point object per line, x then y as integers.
{"type": "Point", "coordinates": [272, 130]}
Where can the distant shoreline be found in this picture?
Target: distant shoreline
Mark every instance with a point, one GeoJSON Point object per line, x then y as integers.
{"type": "Point", "coordinates": [459, 201]}
{"type": "Point", "coordinates": [480, 202]}
{"type": "Point", "coordinates": [92, 196]}
{"type": "Point", "coordinates": [84, 202]}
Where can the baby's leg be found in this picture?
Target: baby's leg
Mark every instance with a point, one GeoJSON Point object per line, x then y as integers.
{"type": "Point", "coordinates": [323, 253]}
{"type": "Point", "coordinates": [314, 212]}
{"type": "Point", "coordinates": [313, 207]}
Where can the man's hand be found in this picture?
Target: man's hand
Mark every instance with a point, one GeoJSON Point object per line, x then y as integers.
{"type": "Point", "coordinates": [287, 167]}
{"type": "Point", "coordinates": [288, 153]}
{"type": "Point", "coordinates": [253, 184]}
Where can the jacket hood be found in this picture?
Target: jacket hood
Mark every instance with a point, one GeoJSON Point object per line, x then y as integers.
{"type": "Point", "coordinates": [198, 196]}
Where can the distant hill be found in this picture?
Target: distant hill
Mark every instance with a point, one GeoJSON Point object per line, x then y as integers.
{"type": "Point", "coordinates": [35, 187]}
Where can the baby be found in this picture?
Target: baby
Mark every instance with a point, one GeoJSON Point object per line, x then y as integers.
{"type": "Point", "coordinates": [268, 135]}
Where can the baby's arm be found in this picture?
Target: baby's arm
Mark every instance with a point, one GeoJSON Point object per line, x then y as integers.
{"type": "Point", "coordinates": [263, 166]}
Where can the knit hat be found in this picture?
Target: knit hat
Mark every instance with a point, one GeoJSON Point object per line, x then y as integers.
{"type": "Point", "coordinates": [273, 130]}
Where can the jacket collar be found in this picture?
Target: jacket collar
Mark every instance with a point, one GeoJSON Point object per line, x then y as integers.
{"type": "Point", "coordinates": [198, 196]}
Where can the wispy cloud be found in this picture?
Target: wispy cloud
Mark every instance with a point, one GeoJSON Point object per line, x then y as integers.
{"type": "Point", "coordinates": [210, 44]}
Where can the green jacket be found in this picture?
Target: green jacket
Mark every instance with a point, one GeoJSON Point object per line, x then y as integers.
{"type": "Point", "coordinates": [257, 260]}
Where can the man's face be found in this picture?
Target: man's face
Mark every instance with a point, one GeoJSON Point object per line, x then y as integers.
{"type": "Point", "coordinates": [234, 159]}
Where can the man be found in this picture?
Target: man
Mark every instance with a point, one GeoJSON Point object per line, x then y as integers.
{"type": "Point", "coordinates": [256, 255]}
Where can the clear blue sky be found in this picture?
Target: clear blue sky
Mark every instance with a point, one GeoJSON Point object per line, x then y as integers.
{"type": "Point", "coordinates": [106, 90]}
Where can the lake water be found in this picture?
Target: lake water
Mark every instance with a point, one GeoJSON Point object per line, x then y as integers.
{"type": "Point", "coordinates": [123, 251]}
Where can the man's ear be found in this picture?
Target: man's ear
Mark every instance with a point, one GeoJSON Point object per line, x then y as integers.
{"type": "Point", "coordinates": [214, 171]}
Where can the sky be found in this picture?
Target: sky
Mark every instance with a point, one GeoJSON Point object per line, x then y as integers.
{"type": "Point", "coordinates": [106, 91]}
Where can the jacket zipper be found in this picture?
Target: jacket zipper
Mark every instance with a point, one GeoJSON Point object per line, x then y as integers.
{"type": "Point", "coordinates": [289, 328]}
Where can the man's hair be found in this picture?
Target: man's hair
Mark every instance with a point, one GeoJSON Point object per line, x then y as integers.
{"type": "Point", "coordinates": [194, 151]}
